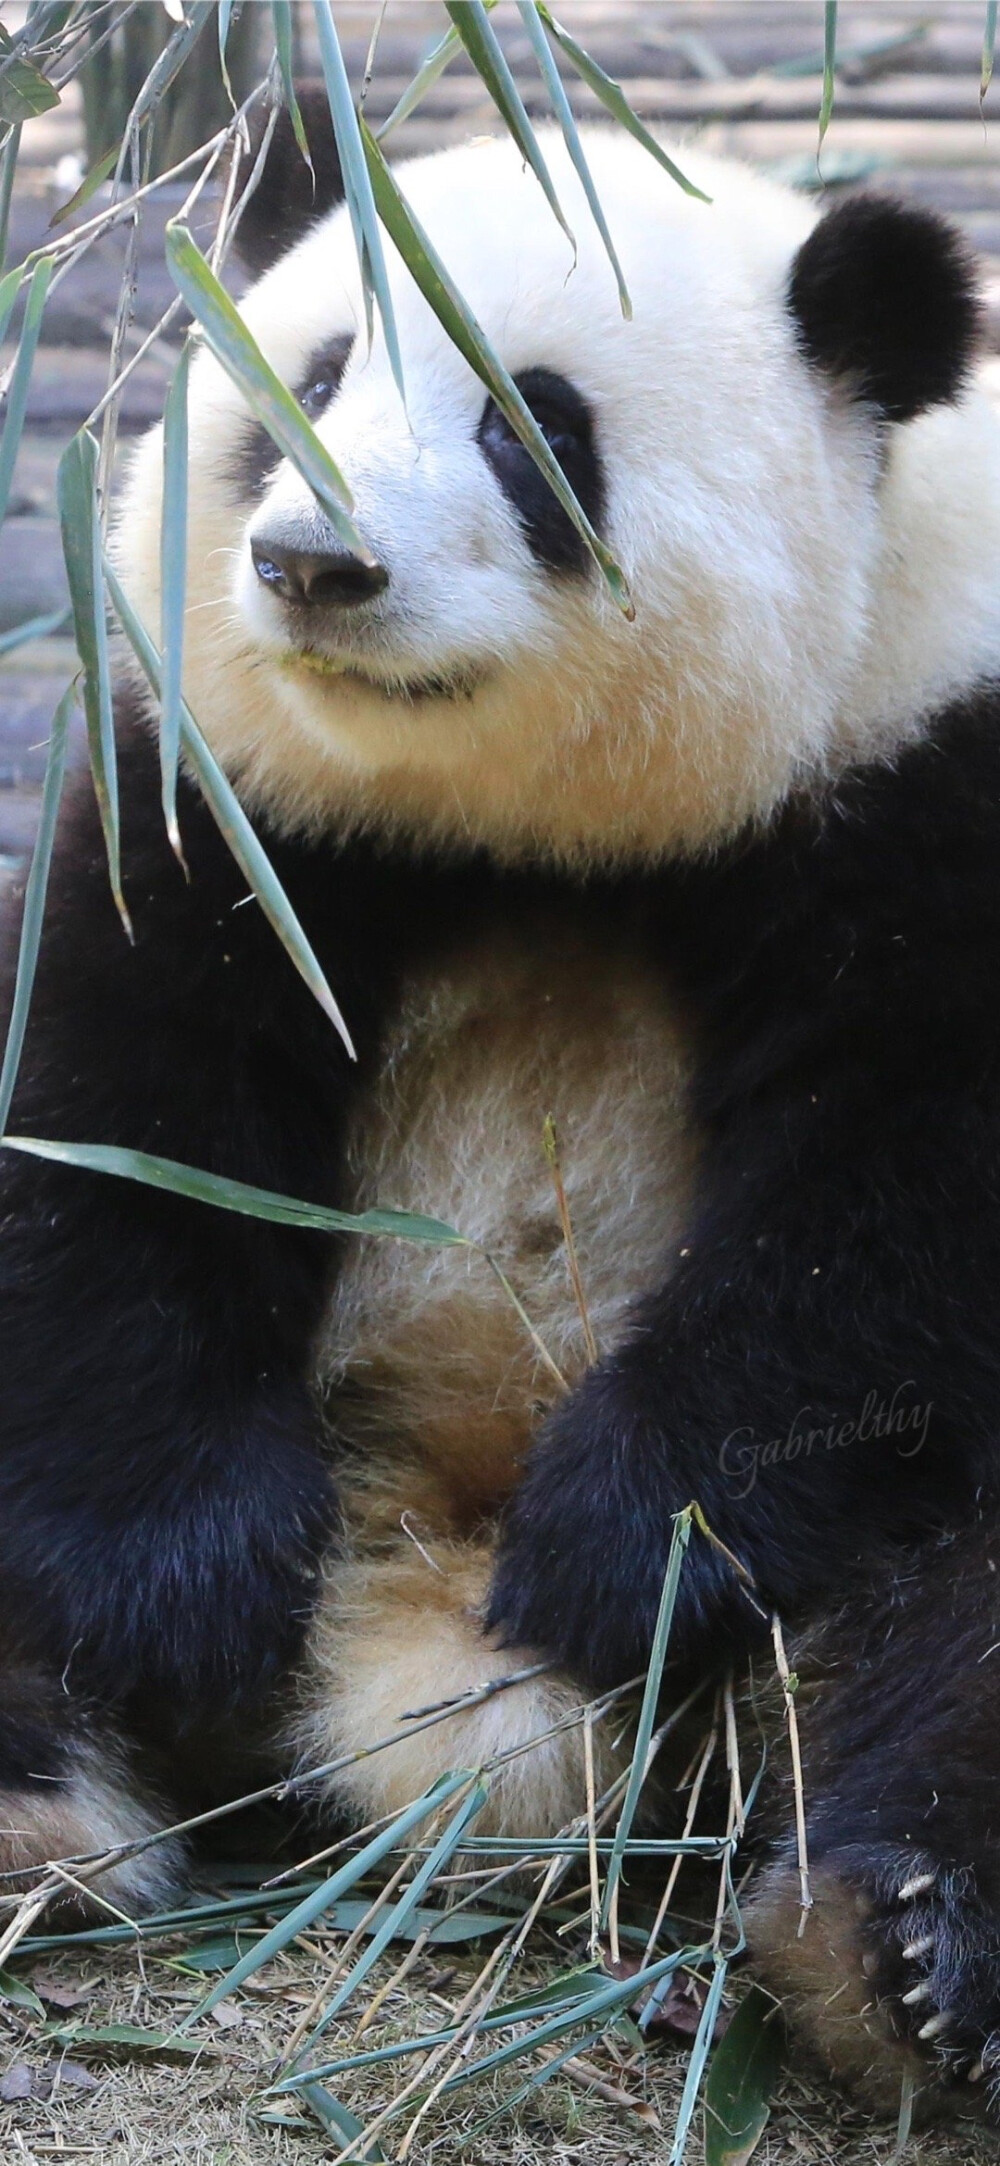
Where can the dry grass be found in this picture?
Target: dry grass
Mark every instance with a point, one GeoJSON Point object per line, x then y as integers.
{"type": "Point", "coordinates": [206, 2109]}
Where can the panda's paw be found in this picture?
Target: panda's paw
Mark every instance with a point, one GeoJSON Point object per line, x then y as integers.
{"type": "Point", "coordinates": [895, 1974]}
{"type": "Point", "coordinates": [932, 1952]}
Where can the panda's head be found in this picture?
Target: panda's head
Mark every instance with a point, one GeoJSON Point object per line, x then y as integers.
{"type": "Point", "coordinates": [805, 557]}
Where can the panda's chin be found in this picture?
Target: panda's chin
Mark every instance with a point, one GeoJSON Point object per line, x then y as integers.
{"type": "Point", "coordinates": [447, 684]}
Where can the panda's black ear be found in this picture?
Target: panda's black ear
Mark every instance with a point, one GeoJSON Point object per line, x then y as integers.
{"type": "Point", "coordinates": [884, 296]}
{"type": "Point", "coordinates": [288, 199]}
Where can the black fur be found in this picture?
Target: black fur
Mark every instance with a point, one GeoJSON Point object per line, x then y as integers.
{"type": "Point", "coordinates": [288, 198]}
{"type": "Point", "coordinates": [884, 296]}
{"type": "Point", "coordinates": [844, 1248]}
{"type": "Point", "coordinates": [255, 456]}
{"type": "Point", "coordinates": [163, 1475]}
{"type": "Point", "coordinates": [565, 419]}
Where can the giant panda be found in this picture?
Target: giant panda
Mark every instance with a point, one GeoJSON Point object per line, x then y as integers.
{"type": "Point", "coordinates": [716, 893]}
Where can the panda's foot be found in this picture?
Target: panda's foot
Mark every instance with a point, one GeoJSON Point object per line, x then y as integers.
{"type": "Point", "coordinates": [89, 1809]}
{"type": "Point", "coordinates": [895, 1975]}
{"type": "Point", "coordinates": [396, 1641]}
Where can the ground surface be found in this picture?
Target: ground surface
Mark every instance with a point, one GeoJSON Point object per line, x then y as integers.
{"type": "Point", "coordinates": [908, 112]}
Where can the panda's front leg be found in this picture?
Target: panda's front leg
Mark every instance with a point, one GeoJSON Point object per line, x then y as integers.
{"type": "Point", "coordinates": [819, 1374]}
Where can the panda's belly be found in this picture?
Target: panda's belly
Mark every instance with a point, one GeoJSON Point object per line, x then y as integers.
{"type": "Point", "coordinates": [424, 1360]}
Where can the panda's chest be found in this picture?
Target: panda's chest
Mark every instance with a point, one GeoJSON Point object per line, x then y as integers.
{"type": "Point", "coordinates": [424, 1352]}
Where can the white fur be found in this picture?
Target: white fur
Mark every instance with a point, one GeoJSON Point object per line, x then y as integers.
{"type": "Point", "coordinates": [97, 1808]}
{"type": "Point", "coordinates": [792, 609]}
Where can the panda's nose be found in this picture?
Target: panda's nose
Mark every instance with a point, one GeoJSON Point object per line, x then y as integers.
{"type": "Point", "coordinates": [334, 578]}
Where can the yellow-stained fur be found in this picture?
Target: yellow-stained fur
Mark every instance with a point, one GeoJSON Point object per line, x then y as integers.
{"type": "Point", "coordinates": [430, 1371]}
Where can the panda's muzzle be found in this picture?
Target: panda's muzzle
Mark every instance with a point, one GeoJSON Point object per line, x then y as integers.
{"type": "Point", "coordinates": [332, 578]}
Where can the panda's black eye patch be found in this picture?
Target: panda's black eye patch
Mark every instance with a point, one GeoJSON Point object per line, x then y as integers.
{"type": "Point", "coordinates": [321, 379]}
{"type": "Point", "coordinates": [566, 423]}
{"type": "Point", "coordinates": [256, 455]}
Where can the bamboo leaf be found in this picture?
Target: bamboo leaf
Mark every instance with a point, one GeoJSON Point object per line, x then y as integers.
{"type": "Point", "coordinates": [392, 1926]}
{"type": "Point", "coordinates": [88, 186]}
{"type": "Point", "coordinates": [470, 19]}
{"type": "Point", "coordinates": [19, 1993]}
{"type": "Point", "coordinates": [438, 59]}
{"type": "Point", "coordinates": [17, 396]}
{"type": "Point", "coordinates": [696, 2065]}
{"type": "Point", "coordinates": [24, 90]}
{"type": "Point", "coordinates": [647, 1713]}
{"type": "Point", "coordinates": [457, 319]}
{"type": "Point", "coordinates": [128, 2035]}
{"type": "Point", "coordinates": [613, 98]}
{"type": "Point", "coordinates": [173, 563]}
{"type": "Point", "coordinates": [231, 819]}
{"type": "Point", "coordinates": [266, 395]}
{"type": "Point", "coordinates": [829, 70]}
{"type": "Point", "coordinates": [358, 187]}
{"type": "Point", "coordinates": [225, 17]}
{"type": "Point", "coordinates": [238, 1196]}
{"type": "Point", "coordinates": [10, 287]}
{"type": "Point", "coordinates": [319, 1901]}
{"type": "Point", "coordinates": [8, 170]}
{"type": "Point", "coordinates": [76, 489]}
{"type": "Point", "coordinates": [571, 136]}
{"type": "Point", "coordinates": [989, 47]}
{"type": "Point", "coordinates": [741, 2079]}
{"type": "Point", "coordinates": [281, 17]}
{"type": "Point", "coordinates": [34, 899]}
{"type": "Point", "coordinates": [340, 2122]}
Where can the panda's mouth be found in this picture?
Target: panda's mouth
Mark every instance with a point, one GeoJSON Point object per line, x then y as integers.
{"type": "Point", "coordinates": [445, 684]}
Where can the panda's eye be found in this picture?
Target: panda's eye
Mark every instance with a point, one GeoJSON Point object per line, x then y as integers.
{"type": "Point", "coordinates": [322, 379]}
{"type": "Point", "coordinates": [566, 422]}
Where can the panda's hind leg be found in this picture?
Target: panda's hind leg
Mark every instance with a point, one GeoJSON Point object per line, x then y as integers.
{"type": "Point", "coordinates": [396, 1640]}
{"type": "Point", "coordinates": [896, 1969]}
{"type": "Point", "coordinates": [68, 1792]}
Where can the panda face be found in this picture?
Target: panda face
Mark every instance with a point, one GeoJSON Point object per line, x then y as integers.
{"type": "Point", "coordinates": [476, 679]}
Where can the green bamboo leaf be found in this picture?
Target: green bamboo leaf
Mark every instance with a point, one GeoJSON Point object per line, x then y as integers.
{"type": "Point", "coordinates": [10, 287]}
{"type": "Point", "coordinates": [457, 319]}
{"type": "Point", "coordinates": [438, 59]}
{"type": "Point", "coordinates": [173, 563]}
{"type": "Point", "coordinates": [264, 392]}
{"type": "Point", "coordinates": [231, 819]}
{"type": "Point", "coordinates": [17, 395]}
{"type": "Point", "coordinates": [76, 489]}
{"type": "Point", "coordinates": [88, 187]}
{"type": "Point", "coordinates": [613, 97]}
{"type": "Point", "coordinates": [470, 19]}
{"type": "Point", "coordinates": [829, 70]}
{"type": "Point", "coordinates": [34, 899]}
{"type": "Point", "coordinates": [606, 2003]}
{"type": "Point", "coordinates": [24, 90]}
{"type": "Point", "coordinates": [696, 2065]}
{"type": "Point", "coordinates": [19, 1993]}
{"type": "Point", "coordinates": [319, 1901]}
{"type": "Point", "coordinates": [238, 1196]}
{"type": "Point", "coordinates": [8, 169]}
{"type": "Point", "coordinates": [358, 188]}
{"type": "Point", "coordinates": [130, 2035]}
{"type": "Point", "coordinates": [571, 136]}
{"type": "Point", "coordinates": [281, 17]}
{"type": "Point", "coordinates": [535, 2081]}
{"type": "Point", "coordinates": [647, 1714]}
{"type": "Point", "coordinates": [225, 17]}
{"type": "Point", "coordinates": [393, 1925]}
{"type": "Point", "coordinates": [341, 2123]}
{"type": "Point", "coordinates": [742, 2075]}
{"type": "Point", "coordinates": [989, 48]}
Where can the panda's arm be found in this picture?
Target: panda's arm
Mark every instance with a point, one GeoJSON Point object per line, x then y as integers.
{"type": "Point", "coordinates": [821, 1370]}
{"type": "Point", "coordinates": [162, 1491]}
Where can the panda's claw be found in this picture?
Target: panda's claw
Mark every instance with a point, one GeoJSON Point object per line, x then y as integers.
{"type": "Point", "coordinates": [917, 1993]}
{"type": "Point", "coordinates": [935, 2025]}
{"type": "Point", "coordinates": [914, 1949]}
{"type": "Point", "coordinates": [918, 1884]}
